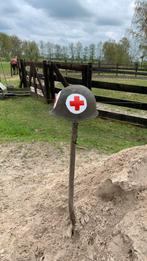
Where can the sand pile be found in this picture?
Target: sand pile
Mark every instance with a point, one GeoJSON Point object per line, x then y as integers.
{"type": "Point", "coordinates": [110, 203]}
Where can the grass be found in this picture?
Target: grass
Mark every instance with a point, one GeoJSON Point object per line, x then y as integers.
{"type": "Point", "coordinates": [111, 78]}
{"type": "Point", "coordinates": [136, 82]}
{"type": "Point", "coordinates": [120, 95]}
{"type": "Point", "coordinates": [131, 81]}
{"type": "Point", "coordinates": [5, 66]}
{"type": "Point", "coordinates": [5, 75]}
{"type": "Point", "coordinates": [116, 94]}
{"type": "Point", "coordinates": [124, 95]}
{"type": "Point", "coordinates": [27, 119]}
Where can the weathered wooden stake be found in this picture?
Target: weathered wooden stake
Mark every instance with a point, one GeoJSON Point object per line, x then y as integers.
{"type": "Point", "coordinates": [72, 174]}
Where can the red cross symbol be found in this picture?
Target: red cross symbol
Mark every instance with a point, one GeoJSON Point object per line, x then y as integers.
{"type": "Point", "coordinates": [77, 103]}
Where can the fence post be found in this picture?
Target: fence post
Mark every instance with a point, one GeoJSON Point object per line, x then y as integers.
{"type": "Point", "coordinates": [99, 67]}
{"type": "Point", "coordinates": [84, 82]}
{"type": "Point", "coordinates": [117, 69]}
{"type": "Point", "coordinates": [51, 80]}
{"type": "Point", "coordinates": [33, 73]}
{"type": "Point", "coordinates": [23, 76]}
{"type": "Point", "coordinates": [11, 70]}
{"type": "Point", "coordinates": [87, 75]}
{"type": "Point", "coordinates": [136, 69]}
{"type": "Point", "coordinates": [46, 81]}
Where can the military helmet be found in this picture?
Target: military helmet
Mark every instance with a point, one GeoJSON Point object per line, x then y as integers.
{"type": "Point", "coordinates": [75, 102]}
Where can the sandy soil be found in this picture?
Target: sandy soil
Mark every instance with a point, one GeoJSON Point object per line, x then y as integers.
{"type": "Point", "coordinates": [110, 203]}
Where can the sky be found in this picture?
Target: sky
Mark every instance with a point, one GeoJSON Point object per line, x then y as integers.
{"type": "Point", "coordinates": [66, 21]}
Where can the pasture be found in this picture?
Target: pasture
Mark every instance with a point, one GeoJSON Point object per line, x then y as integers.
{"type": "Point", "coordinates": [5, 75]}
{"type": "Point", "coordinates": [28, 119]}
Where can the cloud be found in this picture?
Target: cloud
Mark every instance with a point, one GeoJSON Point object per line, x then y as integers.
{"type": "Point", "coordinates": [63, 9]}
{"type": "Point", "coordinates": [64, 21]}
{"type": "Point", "coordinates": [8, 8]}
{"type": "Point", "coordinates": [115, 21]}
{"type": "Point", "coordinates": [4, 26]}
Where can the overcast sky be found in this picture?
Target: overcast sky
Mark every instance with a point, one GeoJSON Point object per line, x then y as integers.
{"type": "Point", "coordinates": [64, 21]}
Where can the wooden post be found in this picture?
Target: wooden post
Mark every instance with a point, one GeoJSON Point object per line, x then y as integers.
{"type": "Point", "coordinates": [117, 69]}
{"type": "Point", "coordinates": [33, 71]}
{"type": "Point", "coordinates": [136, 69]}
{"type": "Point", "coordinates": [46, 81]}
{"type": "Point", "coordinates": [31, 74]}
{"type": "Point", "coordinates": [72, 174]}
{"type": "Point", "coordinates": [99, 67]}
{"type": "Point", "coordinates": [51, 80]}
{"type": "Point", "coordinates": [23, 75]}
{"type": "Point", "coordinates": [84, 81]}
{"type": "Point", "coordinates": [87, 75]}
{"type": "Point", "coordinates": [11, 69]}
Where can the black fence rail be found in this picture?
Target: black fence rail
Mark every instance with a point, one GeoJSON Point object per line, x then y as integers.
{"type": "Point", "coordinates": [42, 77]}
{"type": "Point", "coordinates": [117, 69]}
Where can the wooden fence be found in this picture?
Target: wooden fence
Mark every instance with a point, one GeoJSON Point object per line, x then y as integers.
{"type": "Point", "coordinates": [41, 78]}
{"type": "Point", "coordinates": [120, 70]}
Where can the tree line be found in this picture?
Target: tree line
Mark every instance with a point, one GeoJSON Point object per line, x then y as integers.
{"type": "Point", "coordinates": [111, 52]}
{"type": "Point", "coordinates": [11, 46]}
{"type": "Point", "coordinates": [123, 52]}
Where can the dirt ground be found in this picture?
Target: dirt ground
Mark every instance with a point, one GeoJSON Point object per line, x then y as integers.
{"type": "Point", "coordinates": [110, 203]}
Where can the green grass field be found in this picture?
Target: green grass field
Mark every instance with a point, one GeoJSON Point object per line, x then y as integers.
{"type": "Point", "coordinates": [120, 95]}
{"type": "Point", "coordinates": [131, 81]}
{"type": "Point", "coordinates": [5, 66]}
{"type": "Point", "coordinates": [116, 94]}
{"type": "Point", "coordinates": [27, 119]}
{"type": "Point", "coordinates": [112, 78]}
{"type": "Point", "coordinates": [5, 75]}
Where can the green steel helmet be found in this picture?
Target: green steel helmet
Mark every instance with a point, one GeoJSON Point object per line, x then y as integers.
{"type": "Point", "coordinates": [75, 102]}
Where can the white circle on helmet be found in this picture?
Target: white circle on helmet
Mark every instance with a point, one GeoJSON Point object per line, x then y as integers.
{"type": "Point", "coordinates": [76, 103]}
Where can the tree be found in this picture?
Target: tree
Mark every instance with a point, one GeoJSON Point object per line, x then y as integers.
{"type": "Point", "coordinates": [109, 51]}
{"type": "Point", "coordinates": [99, 51]}
{"type": "Point", "coordinates": [49, 50]}
{"type": "Point", "coordinates": [65, 53]}
{"type": "Point", "coordinates": [117, 53]}
{"type": "Point", "coordinates": [42, 48]}
{"type": "Point", "coordinates": [85, 53]}
{"type": "Point", "coordinates": [72, 51]}
{"type": "Point", "coordinates": [79, 49]}
{"type": "Point", "coordinates": [16, 46]}
{"type": "Point", "coordinates": [92, 50]}
{"type": "Point", "coordinates": [122, 54]}
{"type": "Point", "coordinates": [58, 51]}
{"type": "Point", "coordinates": [140, 26]}
{"type": "Point", "coordinates": [30, 50]}
{"type": "Point", "coordinates": [5, 46]}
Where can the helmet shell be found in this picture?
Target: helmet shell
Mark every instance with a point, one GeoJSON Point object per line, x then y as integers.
{"type": "Point", "coordinates": [75, 102]}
